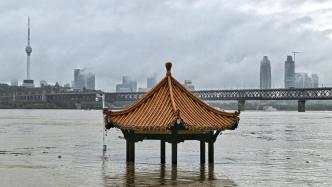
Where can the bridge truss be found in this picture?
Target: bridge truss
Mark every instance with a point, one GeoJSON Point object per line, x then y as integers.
{"type": "Point", "coordinates": [245, 94]}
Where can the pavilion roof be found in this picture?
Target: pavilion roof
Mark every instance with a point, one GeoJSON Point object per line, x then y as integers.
{"type": "Point", "coordinates": [167, 104]}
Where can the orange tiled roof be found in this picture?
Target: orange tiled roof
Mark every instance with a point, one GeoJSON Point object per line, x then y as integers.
{"type": "Point", "coordinates": [167, 103]}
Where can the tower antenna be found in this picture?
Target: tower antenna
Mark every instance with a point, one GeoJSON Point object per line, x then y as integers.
{"type": "Point", "coordinates": [28, 30]}
{"type": "Point", "coordinates": [28, 82]}
{"type": "Point", "coordinates": [294, 54]}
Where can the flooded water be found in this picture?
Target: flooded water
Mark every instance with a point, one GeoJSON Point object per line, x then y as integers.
{"type": "Point", "coordinates": [64, 148]}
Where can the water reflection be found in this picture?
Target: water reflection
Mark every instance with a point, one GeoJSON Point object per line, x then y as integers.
{"type": "Point", "coordinates": [130, 174]}
{"type": "Point", "coordinates": [162, 175]}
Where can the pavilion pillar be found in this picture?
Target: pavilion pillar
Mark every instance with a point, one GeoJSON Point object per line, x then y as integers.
{"type": "Point", "coordinates": [162, 152]}
{"type": "Point", "coordinates": [130, 157]}
{"type": "Point", "coordinates": [174, 153]}
{"type": "Point", "coordinates": [202, 151]}
{"type": "Point", "coordinates": [211, 151]}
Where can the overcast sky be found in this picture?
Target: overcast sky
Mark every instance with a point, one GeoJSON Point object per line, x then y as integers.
{"type": "Point", "coordinates": [215, 43]}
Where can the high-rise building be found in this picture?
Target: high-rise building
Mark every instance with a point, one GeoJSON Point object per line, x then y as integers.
{"type": "Point", "coordinates": [265, 73]}
{"type": "Point", "coordinates": [303, 80]}
{"type": "Point", "coordinates": [90, 81]}
{"type": "Point", "coordinates": [76, 77]}
{"type": "Point", "coordinates": [28, 82]}
{"type": "Point", "coordinates": [79, 80]}
{"type": "Point", "coordinates": [83, 80]}
{"type": "Point", "coordinates": [289, 73]}
{"type": "Point", "coordinates": [315, 80]}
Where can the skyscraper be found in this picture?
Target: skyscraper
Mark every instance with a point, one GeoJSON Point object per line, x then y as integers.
{"type": "Point", "coordinates": [315, 80]}
{"type": "Point", "coordinates": [28, 82]}
{"type": "Point", "coordinates": [289, 72]}
{"type": "Point", "coordinates": [303, 80]}
{"type": "Point", "coordinates": [83, 80]}
{"type": "Point", "coordinates": [76, 85]}
{"type": "Point", "coordinates": [90, 81]}
{"type": "Point", "coordinates": [265, 73]}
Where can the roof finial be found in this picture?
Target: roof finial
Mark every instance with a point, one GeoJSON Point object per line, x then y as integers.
{"type": "Point", "coordinates": [168, 67]}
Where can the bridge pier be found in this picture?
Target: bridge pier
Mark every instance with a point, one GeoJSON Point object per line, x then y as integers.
{"type": "Point", "coordinates": [241, 105]}
{"type": "Point", "coordinates": [301, 105]}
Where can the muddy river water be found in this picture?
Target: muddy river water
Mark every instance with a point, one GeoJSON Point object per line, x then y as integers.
{"type": "Point", "coordinates": [64, 148]}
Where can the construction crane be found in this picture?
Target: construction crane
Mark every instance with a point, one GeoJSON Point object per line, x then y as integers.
{"type": "Point", "coordinates": [296, 52]}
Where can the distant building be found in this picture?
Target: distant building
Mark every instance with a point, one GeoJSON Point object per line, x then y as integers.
{"type": "Point", "coordinates": [315, 80]}
{"type": "Point", "coordinates": [303, 80]}
{"type": "Point", "coordinates": [90, 81]}
{"type": "Point", "coordinates": [43, 83]}
{"type": "Point", "coordinates": [127, 85]}
{"type": "Point", "coordinates": [289, 73]}
{"type": "Point", "coordinates": [265, 73]}
{"type": "Point", "coordinates": [189, 85]}
{"type": "Point", "coordinates": [14, 83]}
{"type": "Point", "coordinates": [67, 85]}
{"type": "Point", "coordinates": [76, 85]}
{"type": "Point", "coordinates": [151, 82]}
{"type": "Point", "coordinates": [83, 80]}
{"type": "Point", "coordinates": [143, 89]}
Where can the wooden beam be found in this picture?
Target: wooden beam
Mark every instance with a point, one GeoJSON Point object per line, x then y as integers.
{"type": "Point", "coordinates": [172, 137]}
{"type": "Point", "coordinates": [202, 151]}
{"type": "Point", "coordinates": [162, 152]}
{"type": "Point", "coordinates": [174, 153]}
{"type": "Point", "coordinates": [211, 152]}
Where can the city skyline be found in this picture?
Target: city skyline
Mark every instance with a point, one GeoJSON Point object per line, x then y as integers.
{"type": "Point", "coordinates": [227, 46]}
{"type": "Point", "coordinates": [87, 77]}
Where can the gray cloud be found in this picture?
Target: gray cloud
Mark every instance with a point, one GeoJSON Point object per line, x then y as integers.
{"type": "Point", "coordinates": [213, 43]}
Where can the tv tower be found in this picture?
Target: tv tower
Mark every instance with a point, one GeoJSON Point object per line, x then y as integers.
{"type": "Point", "coordinates": [28, 82]}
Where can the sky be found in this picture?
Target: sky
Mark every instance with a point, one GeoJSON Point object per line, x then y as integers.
{"type": "Point", "coordinates": [215, 43]}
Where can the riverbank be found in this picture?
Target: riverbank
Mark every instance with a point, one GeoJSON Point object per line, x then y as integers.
{"type": "Point", "coordinates": [28, 105]}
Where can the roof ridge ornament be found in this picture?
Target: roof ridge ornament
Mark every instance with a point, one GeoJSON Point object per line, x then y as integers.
{"type": "Point", "coordinates": [168, 66]}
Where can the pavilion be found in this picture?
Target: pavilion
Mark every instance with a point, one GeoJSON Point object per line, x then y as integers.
{"type": "Point", "coordinates": [170, 113]}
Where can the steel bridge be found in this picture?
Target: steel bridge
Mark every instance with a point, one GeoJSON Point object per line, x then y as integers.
{"type": "Point", "coordinates": [241, 95]}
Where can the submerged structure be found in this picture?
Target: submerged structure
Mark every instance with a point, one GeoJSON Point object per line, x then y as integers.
{"type": "Point", "coordinates": [170, 113]}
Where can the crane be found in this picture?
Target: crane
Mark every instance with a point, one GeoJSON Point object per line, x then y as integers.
{"type": "Point", "coordinates": [296, 52]}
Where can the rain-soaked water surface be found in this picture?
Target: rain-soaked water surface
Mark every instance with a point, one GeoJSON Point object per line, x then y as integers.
{"type": "Point", "coordinates": [63, 148]}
